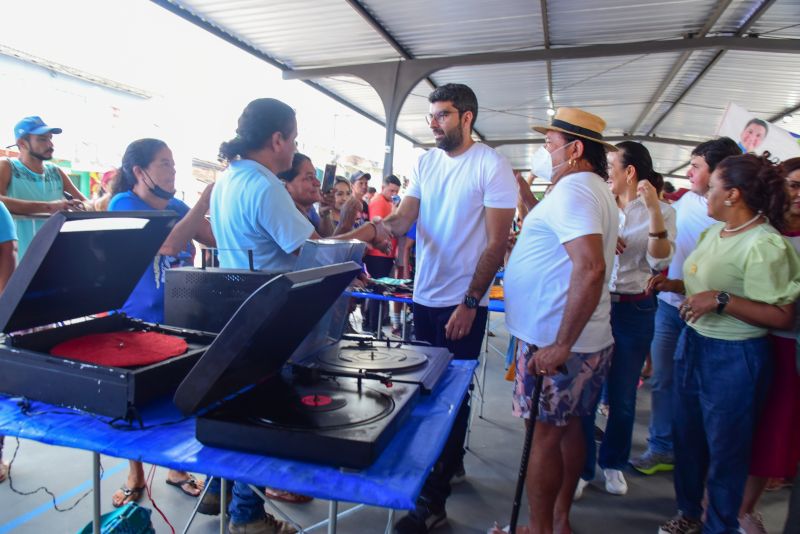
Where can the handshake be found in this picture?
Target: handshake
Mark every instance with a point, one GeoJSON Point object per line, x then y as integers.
{"type": "Point", "coordinates": [383, 237]}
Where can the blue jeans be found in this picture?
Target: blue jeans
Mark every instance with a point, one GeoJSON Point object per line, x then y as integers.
{"type": "Point", "coordinates": [717, 384]}
{"type": "Point", "coordinates": [632, 326]}
{"type": "Point", "coordinates": [245, 505]}
{"type": "Point", "coordinates": [668, 327]}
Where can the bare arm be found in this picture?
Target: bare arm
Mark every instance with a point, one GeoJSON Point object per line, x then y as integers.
{"type": "Point", "coordinates": [25, 207]}
{"type": "Point", "coordinates": [193, 226]}
{"type": "Point", "coordinates": [399, 222]}
{"type": "Point", "coordinates": [8, 260]}
{"type": "Point", "coordinates": [498, 224]}
{"type": "Point", "coordinates": [750, 311]}
{"type": "Point", "coordinates": [526, 200]}
{"type": "Point", "coordinates": [69, 187]}
{"type": "Point", "coordinates": [586, 284]}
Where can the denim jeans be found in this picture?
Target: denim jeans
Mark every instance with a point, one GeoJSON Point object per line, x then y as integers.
{"type": "Point", "coordinates": [717, 384]}
{"type": "Point", "coordinates": [668, 327]}
{"type": "Point", "coordinates": [429, 326]}
{"type": "Point", "coordinates": [245, 505]}
{"type": "Point", "coordinates": [632, 326]}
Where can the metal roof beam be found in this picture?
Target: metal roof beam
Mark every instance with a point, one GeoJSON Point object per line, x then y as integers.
{"type": "Point", "coordinates": [549, 65]}
{"type": "Point", "coordinates": [494, 143]}
{"type": "Point", "coordinates": [676, 68]}
{"type": "Point", "coordinates": [425, 66]}
{"type": "Point", "coordinates": [400, 49]}
{"type": "Point", "coordinates": [253, 51]}
{"type": "Point", "coordinates": [752, 19]}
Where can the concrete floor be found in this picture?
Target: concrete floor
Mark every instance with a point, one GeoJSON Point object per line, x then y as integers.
{"type": "Point", "coordinates": [492, 464]}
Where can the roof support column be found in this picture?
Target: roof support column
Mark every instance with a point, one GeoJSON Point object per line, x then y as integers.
{"type": "Point", "coordinates": [393, 81]}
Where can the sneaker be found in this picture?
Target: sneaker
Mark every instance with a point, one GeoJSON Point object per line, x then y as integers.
{"type": "Point", "coordinates": [752, 524]}
{"type": "Point", "coordinates": [423, 519]}
{"type": "Point", "coordinates": [651, 462]}
{"type": "Point", "coordinates": [265, 525]}
{"type": "Point", "coordinates": [615, 482]}
{"type": "Point", "coordinates": [681, 525]}
{"type": "Point", "coordinates": [579, 489]}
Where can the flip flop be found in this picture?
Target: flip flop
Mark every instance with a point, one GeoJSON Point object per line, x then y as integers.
{"type": "Point", "coordinates": [287, 496]}
{"type": "Point", "coordinates": [191, 482]}
{"type": "Point", "coordinates": [128, 495]}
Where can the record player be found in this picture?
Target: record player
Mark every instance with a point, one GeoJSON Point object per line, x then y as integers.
{"type": "Point", "coordinates": [77, 266]}
{"type": "Point", "coordinates": [409, 362]}
{"type": "Point", "coordinates": [252, 401]}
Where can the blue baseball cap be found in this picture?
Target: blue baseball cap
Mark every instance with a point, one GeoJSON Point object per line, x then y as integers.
{"type": "Point", "coordinates": [33, 125]}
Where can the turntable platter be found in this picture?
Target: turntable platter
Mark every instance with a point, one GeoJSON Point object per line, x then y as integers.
{"type": "Point", "coordinates": [323, 407]}
{"type": "Point", "coordinates": [375, 359]}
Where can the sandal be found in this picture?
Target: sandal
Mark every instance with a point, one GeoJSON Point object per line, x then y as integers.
{"type": "Point", "coordinates": [3, 471]}
{"type": "Point", "coordinates": [190, 486]}
{"type": "Point", "coordinates": [287, 496]}
{"type": "Point", "coordinates": [125, 495]}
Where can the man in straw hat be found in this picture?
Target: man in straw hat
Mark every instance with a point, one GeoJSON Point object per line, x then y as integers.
{"type": "Point", "coordinates": [558, 306]}
{"type": "Point", "coordinates": [462, 195]}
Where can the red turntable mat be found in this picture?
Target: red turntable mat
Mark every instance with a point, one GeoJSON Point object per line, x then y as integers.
{"type": "Point", "coordinates": [121, 349]}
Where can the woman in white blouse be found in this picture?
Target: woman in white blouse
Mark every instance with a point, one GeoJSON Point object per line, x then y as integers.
{"type": "Point", "coordinates": [646, 244]}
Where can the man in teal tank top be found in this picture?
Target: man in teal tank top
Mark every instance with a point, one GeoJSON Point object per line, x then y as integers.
{"type": "Point", "coordinates": [29, 185]}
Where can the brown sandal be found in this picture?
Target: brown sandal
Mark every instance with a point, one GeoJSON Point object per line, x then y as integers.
{"type": "Point", "coordinates": [187, 484]}
{"type": "Point", "coordinates": [287, 496]}
{"type": "Point", "coordinates": [128, 495]}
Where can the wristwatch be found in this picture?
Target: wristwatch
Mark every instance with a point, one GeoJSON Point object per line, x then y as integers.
{"type": "Point", "coordinates": [470, 302]}
{"type": "Point", "coordinates": [723, 298]}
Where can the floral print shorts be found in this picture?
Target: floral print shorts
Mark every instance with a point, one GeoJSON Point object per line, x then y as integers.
{"type": "Point", "coordinates": [563, 396]}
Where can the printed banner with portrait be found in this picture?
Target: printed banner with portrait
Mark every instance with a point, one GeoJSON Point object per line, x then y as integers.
{"type": "Point", "coordinates": [757, 135]}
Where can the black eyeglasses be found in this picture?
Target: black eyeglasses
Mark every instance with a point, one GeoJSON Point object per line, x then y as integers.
{"type": "Point", "coordinates": [440, 116]}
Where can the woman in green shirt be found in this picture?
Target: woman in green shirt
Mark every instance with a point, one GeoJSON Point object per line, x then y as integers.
{"type": "Point", "coordinates": [740, 281]}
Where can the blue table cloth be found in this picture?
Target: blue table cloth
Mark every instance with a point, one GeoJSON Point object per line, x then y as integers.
{"type": "Point", "coordinates": [168, 439]}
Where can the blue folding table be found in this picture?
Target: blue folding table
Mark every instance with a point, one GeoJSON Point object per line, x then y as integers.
{"type": "Point", "coordinates": [394, 480]}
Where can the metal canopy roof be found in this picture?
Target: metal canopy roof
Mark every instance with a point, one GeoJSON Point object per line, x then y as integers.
{"type": "Point", "coordinates": [664, 69]}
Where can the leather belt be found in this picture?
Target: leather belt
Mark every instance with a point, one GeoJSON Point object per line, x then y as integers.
{"type": "Point", "coordinates": [635, 297]}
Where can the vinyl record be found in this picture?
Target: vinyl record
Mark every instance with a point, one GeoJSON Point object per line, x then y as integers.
{"type": "Point", "coordinates": [326, 406]}
{"type": "Point", "coordinates": [375, 359]}
{"type": "Point", "coordinates": [121, 349]}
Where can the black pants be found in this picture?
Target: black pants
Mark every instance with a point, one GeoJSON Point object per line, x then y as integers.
{"type": "Point", "coordinates": [429, 326]}
{"type": "Point", "coordinates": [378, 267]}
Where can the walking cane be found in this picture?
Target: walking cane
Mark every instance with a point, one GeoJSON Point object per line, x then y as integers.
{"type": "Point", "coordinates": [526, 447]}
{"type": "Point", "coordinates": [526, 450]}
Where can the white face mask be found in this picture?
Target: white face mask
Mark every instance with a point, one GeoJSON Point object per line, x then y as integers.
{"type": "Point", "coordinates": [542, 162]}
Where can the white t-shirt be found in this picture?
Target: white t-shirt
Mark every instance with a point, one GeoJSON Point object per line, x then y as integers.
{"type": "Point", "coordinates": [538, 272]}
{"type": "Point", "coordinates": [691, 219]}
{"type": "Point", "coordinates": [251, 210]}
{"type": "Point", "coordinates": [451, 228]}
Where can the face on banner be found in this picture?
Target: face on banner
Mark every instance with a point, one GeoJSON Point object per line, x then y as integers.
{"type": "Point", "coordinates": [756, 135]}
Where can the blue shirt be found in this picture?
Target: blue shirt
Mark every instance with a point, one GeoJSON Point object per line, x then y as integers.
{"type": "Point", "coordinates": [251, 210]}
{"type": "Point", "coordinates": [8, 231]}
{"type": "Point", "coordinates": [146, 302]}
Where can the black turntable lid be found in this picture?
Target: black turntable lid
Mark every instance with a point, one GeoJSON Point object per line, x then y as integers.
{"type": "Point", "coordinates": [263, 333]}
{"type": "Point", "coordinates": [81, 263]}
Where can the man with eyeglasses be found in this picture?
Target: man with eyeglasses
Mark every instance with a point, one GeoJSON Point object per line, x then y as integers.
{"type": "Point", "coordinates": [462, 195]}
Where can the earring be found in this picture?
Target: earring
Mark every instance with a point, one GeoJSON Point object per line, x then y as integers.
{"type": "Point", "coordinates": [728, 203]}
{"type": "Point", "coordinates": [572, 163]}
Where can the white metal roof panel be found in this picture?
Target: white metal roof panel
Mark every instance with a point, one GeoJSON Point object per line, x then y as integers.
{"type": "Point", "coordinates": [298, 33]}
{"type": "Point", "coordinates": [427, 28]}
{"type": "Point", "coordinates": [574, 22]}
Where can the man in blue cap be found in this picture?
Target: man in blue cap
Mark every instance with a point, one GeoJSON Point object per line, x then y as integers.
{"type": "Point", "coordinates": [29, 185]}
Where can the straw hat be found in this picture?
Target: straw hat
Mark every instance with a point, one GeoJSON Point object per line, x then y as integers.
{"type": "Point", "coordinates": [574, 121]}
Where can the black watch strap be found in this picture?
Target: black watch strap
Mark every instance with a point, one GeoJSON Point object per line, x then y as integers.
{"type": "Point", "coordinates": [470, 302]}
{"type": "Point", "coordinates": [723, 298]}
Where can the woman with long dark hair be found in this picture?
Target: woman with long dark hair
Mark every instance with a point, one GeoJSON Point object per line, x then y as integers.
{"type": "Point", "coordinates": [146, 181]}
{"type": "Point", "coordinates": [741, 280]}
